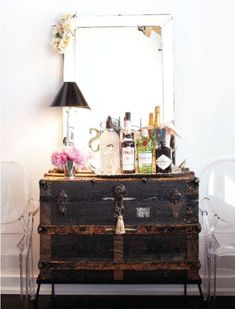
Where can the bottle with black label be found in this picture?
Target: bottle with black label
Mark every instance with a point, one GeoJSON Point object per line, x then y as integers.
{"type": "Point", "coordinates": [163, 158]}
{"type": "Point", "coordinates": [128, 147]}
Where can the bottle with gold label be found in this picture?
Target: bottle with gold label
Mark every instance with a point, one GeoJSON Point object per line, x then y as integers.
{"type": "Point", "coordinates": [160, 133]}
{"type": "Point", "coordinates": [150, 121]}
{"type": "Point", "coordinates": [152, 136]}
{"type": "Point", "coordinates": [157, 121]}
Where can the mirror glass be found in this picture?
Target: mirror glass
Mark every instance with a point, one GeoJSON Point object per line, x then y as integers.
{"type": "Point", "coordinates": [121, 64]}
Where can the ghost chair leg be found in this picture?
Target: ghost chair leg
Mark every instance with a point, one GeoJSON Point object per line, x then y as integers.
{"type": "Point", "coordinates": [215, 260]}
{"type": "Point", "coordinates": [31, 278]}
{"type": "Point", "coordinates": [21, 274]}
{"type": "Point", "coordinates": [185, 289]}
{"type": "Point", "coordinates": [53, 291]}
{"type": "Point", "coordinates": [26, 280]}
{"type": "Point", "coordinates": [209, 281]}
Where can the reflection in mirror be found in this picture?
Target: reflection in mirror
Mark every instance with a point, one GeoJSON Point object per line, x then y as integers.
{"type": "Point", "coordinates": [120, 63]}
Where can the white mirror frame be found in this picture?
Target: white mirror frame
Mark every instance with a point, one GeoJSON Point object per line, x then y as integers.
{"type": "Point", "coordinates": [165, 22]}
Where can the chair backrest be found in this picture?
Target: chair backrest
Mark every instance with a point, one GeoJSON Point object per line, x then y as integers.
{"type": "Point", "coordinates": [14, 192]}
{"type": "Point", "coordinates": [217, 183]}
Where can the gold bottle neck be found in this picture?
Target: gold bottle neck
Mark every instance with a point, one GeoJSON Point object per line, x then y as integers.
{"type": "Point", "coordinates": [157, 121]}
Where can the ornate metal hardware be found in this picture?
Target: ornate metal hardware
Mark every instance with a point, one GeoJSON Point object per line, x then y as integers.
{"type": "Point", "coordinates": [63, 203]}
{"type": "Point", "coordinates": [42, 229]}
{"type": "Point", "coordinates": [166, 273]}
{"type": "Point", "coordinates": [130, 229]}
{"type": "Point", "coordinates": [109, 229]}
{"type": "Point", "coordinates": [151, 198]}
{"type": "Point", "coordinates": [118, 192]}
{"type": "Point", "coordinates": [109, 198]}
{"type": "Point", "coordinates": [192, 185]}
{"type": "Point", "coordinates": [127, 229]}
{"type": "Point", "coordinates": [43, 265]}
{"type": "Point", "coordinates": [176, 203]}
{"type": "Point", "coordinates": [175, 207]}
{"type": "Point", "coordinates": [175, 197]}
{"type": "Point", "coordinates": [191, 214]}
{"type": "Point", "coordinates": [43, 184]}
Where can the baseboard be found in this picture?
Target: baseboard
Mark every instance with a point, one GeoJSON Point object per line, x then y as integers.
{"type": "Point", "coordinates": [226, 287]}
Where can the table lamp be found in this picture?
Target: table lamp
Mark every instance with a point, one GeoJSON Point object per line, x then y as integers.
{"type": "Point", "coordinates": [69, 96]}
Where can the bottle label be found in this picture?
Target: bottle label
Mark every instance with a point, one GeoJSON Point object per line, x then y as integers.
{"type": "Point", "coordinates": [145, 158]}
{"type": "Point", "coordinates": [145, 162]}
{"type": "Point", "coordinates": [163, 162]}
{"type": "Point", "coordinates": [128, 158]}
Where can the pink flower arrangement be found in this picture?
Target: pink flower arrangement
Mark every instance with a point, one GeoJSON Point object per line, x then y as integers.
{"type": "Point", "coordinates": [59, 158]}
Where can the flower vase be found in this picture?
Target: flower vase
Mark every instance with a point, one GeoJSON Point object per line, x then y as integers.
{"type": "Point", "coordinates": [69, 169]}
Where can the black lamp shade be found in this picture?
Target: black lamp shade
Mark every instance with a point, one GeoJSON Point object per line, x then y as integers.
{"type": "Point", "coordinates": [70, 95]}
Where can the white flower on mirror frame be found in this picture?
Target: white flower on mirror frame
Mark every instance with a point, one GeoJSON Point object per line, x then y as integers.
{"type": "Point", "coordinates": [63, 32]}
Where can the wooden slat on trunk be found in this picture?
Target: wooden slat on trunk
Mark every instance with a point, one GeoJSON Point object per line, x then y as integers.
{"type": "Point", "coordinates": [171, 265]}
{"type": "Point", "coordinates": [118, 255]}
{"type": "Point", "coordinates": [130, 229]}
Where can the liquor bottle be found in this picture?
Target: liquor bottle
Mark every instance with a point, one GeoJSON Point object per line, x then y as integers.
{"type": "Point", "coordinates": [150, 121]}
{"type": "Point", "coordinates": [152, 136]}
{"type": "Point", "coordinates": [109, 150]}
{"type": "Point", "coordinates": [160, 133]}
{"type": "Point", "coordinates": [151, 126]}
{"type": "Point", "coordinates": [145, 152]}
{"type": "Point", "coordinates": [163, 158]}
{"type": "Point", "coordinates": [172, 145]}
{"type": "Point", "coordinates": [128, 147]}
{"type": "Point", "coordinates": [157, 121]}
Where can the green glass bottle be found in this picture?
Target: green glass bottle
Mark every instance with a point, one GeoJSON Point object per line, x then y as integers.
{"type": "Point", "coordinates": [144, 147]}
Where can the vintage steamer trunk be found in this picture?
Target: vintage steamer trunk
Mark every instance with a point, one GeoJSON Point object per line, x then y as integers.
{"type": "Point", "coordinates": [78, 243]}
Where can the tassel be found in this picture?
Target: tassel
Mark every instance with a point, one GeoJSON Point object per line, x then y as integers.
{"type": "Point", "coordinates": [120, 228]}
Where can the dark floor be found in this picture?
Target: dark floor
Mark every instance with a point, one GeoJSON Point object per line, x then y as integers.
{"type": "Point", "coordinates": [115, 302]}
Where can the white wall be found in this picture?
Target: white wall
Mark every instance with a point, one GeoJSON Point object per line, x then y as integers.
{"type": "Point", "coordinates": [32, 74]}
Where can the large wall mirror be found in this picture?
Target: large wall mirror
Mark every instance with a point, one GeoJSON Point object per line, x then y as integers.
{"type": "Point", "coordinates": [121, 64]}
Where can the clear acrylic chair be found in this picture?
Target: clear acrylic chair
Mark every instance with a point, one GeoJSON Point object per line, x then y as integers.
{"type": "Point", "coordinates": [217, 209]}
{"type": "Point", "coordinates": [17, 218]}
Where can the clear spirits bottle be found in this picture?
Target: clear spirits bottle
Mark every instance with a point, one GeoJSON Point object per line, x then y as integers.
{"type": "Point", "coordinates": [109, 150]}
